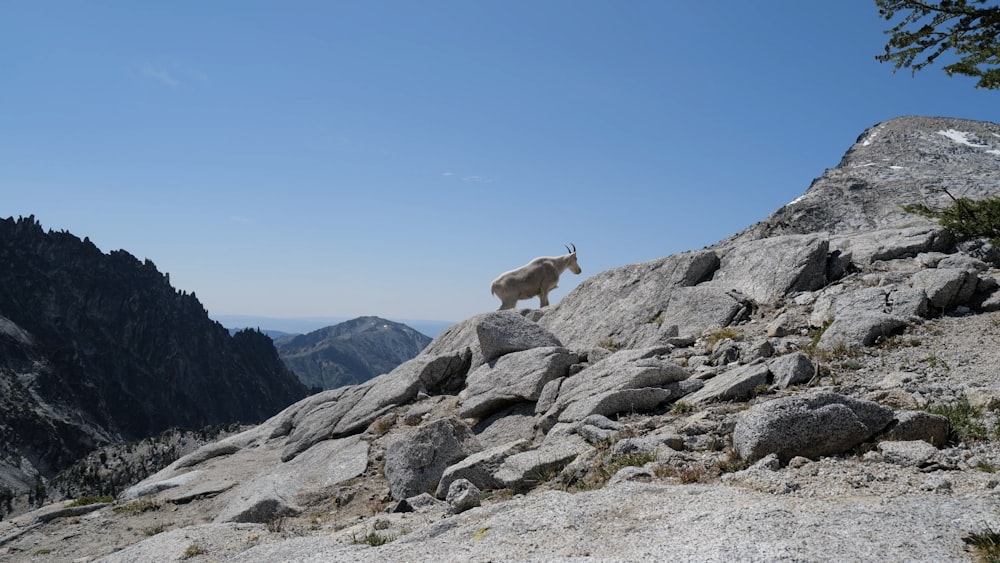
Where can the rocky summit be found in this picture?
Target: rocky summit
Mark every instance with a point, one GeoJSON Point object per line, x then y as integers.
{"type": "Point", "coordinates": [822, 386]}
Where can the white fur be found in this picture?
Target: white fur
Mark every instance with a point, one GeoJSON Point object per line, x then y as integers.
{"type": "Point", "coordinates": [538, 277]}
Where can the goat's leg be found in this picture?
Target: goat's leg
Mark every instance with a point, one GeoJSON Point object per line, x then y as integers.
{"type": "Point", "coordinates": [543, 299]}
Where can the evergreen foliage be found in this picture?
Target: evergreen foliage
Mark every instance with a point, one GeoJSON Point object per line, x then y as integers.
{"type": "Point", "coordinates": [967, 218]}
{"type": "Point", "coordinates": [968, 29]}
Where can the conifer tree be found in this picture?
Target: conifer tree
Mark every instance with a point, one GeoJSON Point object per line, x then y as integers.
{"type": "Point", "coordinates": [967, 30]}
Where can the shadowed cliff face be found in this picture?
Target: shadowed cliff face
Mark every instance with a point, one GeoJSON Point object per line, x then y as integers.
{"type": "Point", "coordinates": [98, 347]}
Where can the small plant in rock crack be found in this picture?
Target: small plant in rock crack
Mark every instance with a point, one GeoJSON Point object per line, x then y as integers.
{"type": "Point", "coordinates": [686, 472]}
{"type": "Point", "coordinates": [731, 463]}
{"type": "Point", "coordinates": [193, 550]}
{"type": "Point", "coordinates": [276, 525]}
{"type": "Point", "coordinates": [541, 475]}
{"type": "Point", "coordinates": [137, 507]}
{"type": "Point", "coordinates": [985, 545]}
{"type": "Point", "coordinates": [894, 341]}
{"type": "Point", "coordinates": [680, 407]}
{"type": "Point", "coordinates": [604, 466]}
{"type": "Point", "coordinates": [851, 364]}
{"type": "Point", "coordinates": [157, 529]}
{"type": "Point", "coordinates": [935, 362]}
{"type": "Point", "coordinates": [838, 352]}
{"type": "Point", "coordinates": [610, 345]}
{"type": "Point", "coordinates": [964, 419]}
{"type": "Point", "coordinates": [815, 334]}
{"type": "Point", "coordinates": [373, 538]}
{"type": "Point", "coordinates": [985, 466]}
{"type": "Point", "coordinates": [720, 334]}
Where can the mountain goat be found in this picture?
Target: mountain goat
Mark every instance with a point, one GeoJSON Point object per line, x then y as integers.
{"type": "Point", "coordinates": [538, 277]}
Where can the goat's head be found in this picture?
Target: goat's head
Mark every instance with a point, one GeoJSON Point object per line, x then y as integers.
{"type": "Point", "coordinates": [572, 265]}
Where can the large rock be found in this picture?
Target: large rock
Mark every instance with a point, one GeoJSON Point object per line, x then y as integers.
{"type": "Point", "coordinates": [315, 422]}
{"type": "Point", "coordinates": [431, 375]}
{"type": "Point", "coordinates": [513, 378]}
{"type": "Point", "coordinates": [813, 425]}
{"type": "Point", "coordinates": [349, 410]}
{"type": "Point", "coordinates": [737, 384]}
{"type": "Point", "coordinates": [414, 464]}
{"type": "Point", "coordinates": [628, 381]}
{"type": "Point", "coordinates": [626, 305]}
{"type": "Point", "coordinates": [463, 495]}
{"type": "Point", "coordinates": [642, 399]}
{"type": "Point", "coordinates": [456, 339]}
{"type": "Point", "coordinates": [698, 309]}
{"type": "Point", "coordinates": [853, 331]}
{"type": "Point", "coordinates": [516, 422]}
{"type": "Point", "coordinates": [533, 466]}
{"type": "Point", "coordinates": [479, 468]}
{"type": "Point", "coordinates": [791, 369]}
{"type": "Point", "coordinates": [896, 300]}
{"type": "Point", "coordinates": [272, 493]}
{"type": "Point", "coordinates": [503, 332]}
{"type": "Point", "coordinates": [946, 287]}
{"type": "Point", "coordinates": [889, 244]}
{"type": "Point", "coordinates": [767, 270]}
{"type": "Point", "coordinates": [914, 453]}
{"type": "Point", "coordinates": [920, 425]}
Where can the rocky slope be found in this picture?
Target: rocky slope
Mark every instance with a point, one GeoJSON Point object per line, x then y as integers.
{"type": "Point", "coordinates": [98, 348]}
{"type": "Point", "coordinates": [349, 353]}
{"type": "Point", "coordinates": [820, 394]}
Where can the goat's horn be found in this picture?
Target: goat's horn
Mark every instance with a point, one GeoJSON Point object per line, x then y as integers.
{"type": "Point", "coordinates": [574, 247]}
{"type": "Point", "coordinates": [568, 250]}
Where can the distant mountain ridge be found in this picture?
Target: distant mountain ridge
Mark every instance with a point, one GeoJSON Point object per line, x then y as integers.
{"type": "Point", "coordinates": [96, 348]}
{"type": "Point", "coordinates": [351, 352]}
{"type": "Point", "coordinates": [304, 325]}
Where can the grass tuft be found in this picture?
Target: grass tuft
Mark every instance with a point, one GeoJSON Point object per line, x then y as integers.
{"type": "Point", "coordinates": [193, 550]}
{"type": "Point", "coordinates": [373, 539]}
{"type": "Point", "coordinates": [985, 544]}
{"type": "Point", "coordinates": [965, 421]}
{"type": "Point", "coordinates": [137, 507]}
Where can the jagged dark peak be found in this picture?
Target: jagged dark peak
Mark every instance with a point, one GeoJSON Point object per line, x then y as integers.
{"type": "Point", "coordinates": [898, 162]}
{"type": "Point", "coordinates": [97, 347]}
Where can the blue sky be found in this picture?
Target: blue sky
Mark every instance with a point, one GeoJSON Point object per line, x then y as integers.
{"type": "Point", "coordinates": [334, 158]}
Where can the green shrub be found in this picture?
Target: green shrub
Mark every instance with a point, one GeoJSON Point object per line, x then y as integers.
{"type": "Point", "coordinates": [985, 544]}
{"type": "Point", "coordinates": [967, 218]}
